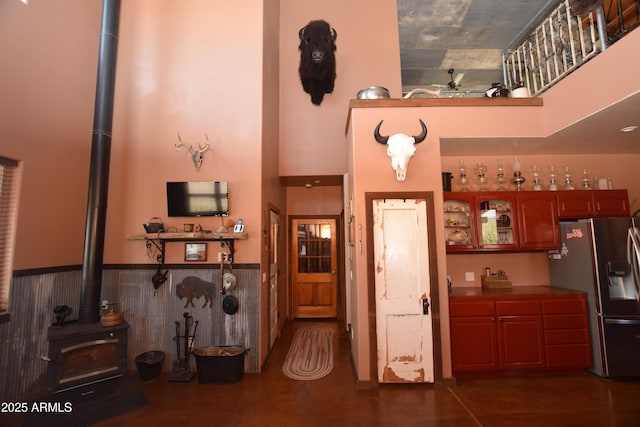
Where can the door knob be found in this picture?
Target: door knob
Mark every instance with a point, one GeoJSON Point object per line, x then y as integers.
{"type": "Point", "coordinates": [425, 306]}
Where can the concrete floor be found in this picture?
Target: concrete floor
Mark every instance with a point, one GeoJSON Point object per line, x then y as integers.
{"type": "Point", "coordinates": [272, 399]}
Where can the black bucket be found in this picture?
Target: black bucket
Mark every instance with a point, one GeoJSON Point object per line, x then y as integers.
{"type": "Point", "coordinates": [149, 365]}
{"type": "Point", "coordinates": [220, 365]}
{"type": "Point", "coordinates": [446, 181]}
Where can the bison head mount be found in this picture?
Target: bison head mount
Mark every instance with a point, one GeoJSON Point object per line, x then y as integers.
{"type": "Point", "coordinates": [400, 148]}
{"type": "Point", "coordinates": [317, 59]}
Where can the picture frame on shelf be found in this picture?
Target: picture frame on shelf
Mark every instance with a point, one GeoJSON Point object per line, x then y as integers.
{"type": "Point", "coordinates": [195, 252]}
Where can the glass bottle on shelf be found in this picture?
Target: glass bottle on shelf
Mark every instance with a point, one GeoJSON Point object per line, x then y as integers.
{"type": "Point", "coordinates": [553, 185]}
{"type": "Point", "coordinates": [481, 171]}
{"type": "Point", "coordinates": [586, 185]}
{"type": "Point", "coordinates": [518, 179]}
{"type": "Point", "coordinates": [501, 186]}
{"type": "Point", "coordinates": [567, 179]}
{"type": "Point", "coordinates": [537, 186]}
{"type": "Point", "coordinates": [463, 177]}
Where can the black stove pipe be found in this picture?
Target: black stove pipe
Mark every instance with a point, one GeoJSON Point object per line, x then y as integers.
{"type": "Point", "coordinates": [99, 169]}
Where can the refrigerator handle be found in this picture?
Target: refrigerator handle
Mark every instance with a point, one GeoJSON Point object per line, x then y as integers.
{"type": "Point", "coordinates": [611, 321]}
{"type": "Point", "coordinates": [633, 257]}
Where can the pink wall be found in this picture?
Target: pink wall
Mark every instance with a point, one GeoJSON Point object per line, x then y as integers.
{"type": "Point", "coordinates": [47, 82]}
{"type": "Point", "coordinates": [176, 75]}
{"type": "Point", "coordinates": [318, 200]}
{"type": "Point", "coordinates": [312, 137]}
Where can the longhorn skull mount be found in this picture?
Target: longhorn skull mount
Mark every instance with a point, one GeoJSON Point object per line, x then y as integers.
{"type": "Point", "coordinates": [400, 148]}
{"type": "Point", "coordinates": [196, 155]}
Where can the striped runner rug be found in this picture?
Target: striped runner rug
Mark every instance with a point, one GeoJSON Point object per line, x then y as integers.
{"type": "Point", "coordinates": [310, 356]}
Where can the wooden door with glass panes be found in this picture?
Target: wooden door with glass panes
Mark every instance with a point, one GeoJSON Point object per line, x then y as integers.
{"type": "Point", "coordinates": [314, 266]}
{"type": "Point", "coordinates": [459, 221]}
{"type": "Point", "coordinates": [496, 219]}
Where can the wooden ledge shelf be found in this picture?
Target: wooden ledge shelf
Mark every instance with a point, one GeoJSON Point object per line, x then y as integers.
{"type": "Point", "coordinates": [183, 237]}
{"type": "Point", "coordinates": [441, 102]}
{"type": "Point", "coordinates": [446, 102]}
{"type": "Point", "coordinates": [159, 240]}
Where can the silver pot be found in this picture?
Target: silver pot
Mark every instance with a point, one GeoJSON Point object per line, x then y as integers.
{"type": "Point", "coordinates": [374, 92]}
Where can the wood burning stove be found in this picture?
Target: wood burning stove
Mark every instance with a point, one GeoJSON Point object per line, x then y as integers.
{"type": "Point", "coordinates": [87, 373]}
{"type": "Point", "coordinates": [85, 354]}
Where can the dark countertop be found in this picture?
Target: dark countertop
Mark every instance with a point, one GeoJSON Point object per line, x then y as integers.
{"type": "Point", "coordinates": [512, 292]}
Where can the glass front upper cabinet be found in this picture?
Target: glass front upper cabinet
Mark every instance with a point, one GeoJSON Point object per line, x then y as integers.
{"type": "Point", "coordinates": [496, 225]}
{"type": "Point", "coordinates": [459, 223]}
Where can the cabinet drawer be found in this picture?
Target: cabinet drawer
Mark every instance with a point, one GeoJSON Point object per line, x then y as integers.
{"type": "Point", "coordinates": [566, 321]}
{"type": "Point", "coordinates": [566, 336]}
{"type": "Point", "coordinates": [517, 307]}
{"type": "Point", "coordinates": [568, 356]}
{"type": "Point", "coordinates": [557, 306]}
{"type": "Point", "coordinates": [472, 308]}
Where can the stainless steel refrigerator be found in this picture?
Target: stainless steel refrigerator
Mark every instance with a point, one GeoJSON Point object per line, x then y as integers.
{"type": "Point", "coordinates": [602, 258]}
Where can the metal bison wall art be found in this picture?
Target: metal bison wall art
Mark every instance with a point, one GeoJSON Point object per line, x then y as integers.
{"type": "Point", "coordinates": [317, 59]}
{"type": "Point", "coordinates": [193, 287]}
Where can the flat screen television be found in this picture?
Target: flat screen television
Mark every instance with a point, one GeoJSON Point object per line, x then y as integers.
{"type": "Point", "coordinates": [198, 198]}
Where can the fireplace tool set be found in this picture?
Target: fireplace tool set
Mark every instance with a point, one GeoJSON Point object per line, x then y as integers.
{"type": "Point", "coordinates": [181, 370]}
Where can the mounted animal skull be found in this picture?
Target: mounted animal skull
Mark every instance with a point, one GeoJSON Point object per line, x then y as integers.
{"type": "Point", "coordinates": [196, 155]}
{"type": "Point", "coordinates": [400, 148]}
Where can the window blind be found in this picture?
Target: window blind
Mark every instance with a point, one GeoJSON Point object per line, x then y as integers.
{"type": "Point", "coordinates": [10, 174]}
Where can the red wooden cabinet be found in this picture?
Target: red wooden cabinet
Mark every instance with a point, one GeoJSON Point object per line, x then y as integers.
{"type": "Point", "coordinates": [520, 337]}
{"type": "Point", "coordinates": [460, 222]}
{"type": "Point", "coordinates": [474, 345]}
{"type": "Point", "coordinates": [521, 342]}
{"type": "Point", "coordinates": [506, 334]}
{"type": "Point", "coordinates": [496, 220]}
{"type": "Point", "coordinates": [488, 335]}
{"type": "Point", "coordinates": [592, 203]}
{"type": "Point", "coordinates": [566, 332]}
{"type": "Point", "coordinates": [483, 221]}
{"type": "Point", "coordinates": [501, 221]}
{"type": "Point", "coordinates": [538, 220]}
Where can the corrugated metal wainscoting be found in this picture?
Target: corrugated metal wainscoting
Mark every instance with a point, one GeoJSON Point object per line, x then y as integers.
{"type": "Point", "coordinates": [150, 313]}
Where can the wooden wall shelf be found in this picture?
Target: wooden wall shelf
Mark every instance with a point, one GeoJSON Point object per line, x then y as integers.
{"type": "Point", "coordinates": [159, 240]}
{"type": "Point", "coordinates": [191, 237]}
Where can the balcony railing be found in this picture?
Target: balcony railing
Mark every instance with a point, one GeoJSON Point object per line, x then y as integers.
{"type": "Point", "coordinates": [564, 41]}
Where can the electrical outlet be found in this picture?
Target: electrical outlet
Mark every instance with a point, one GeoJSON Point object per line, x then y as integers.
{"type": "Point", "coordinates": [470, 276]}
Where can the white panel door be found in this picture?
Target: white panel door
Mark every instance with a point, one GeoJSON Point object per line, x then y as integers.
{"type": "Point", "coordinates": [402, 291]}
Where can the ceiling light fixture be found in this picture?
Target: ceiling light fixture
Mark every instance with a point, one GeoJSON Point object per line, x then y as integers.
{"type": "Point", "coordinates": [628, 129]}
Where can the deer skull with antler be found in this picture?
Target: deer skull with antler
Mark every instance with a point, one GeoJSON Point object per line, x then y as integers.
{"type": "Point", "coordinates": [196, 155]}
